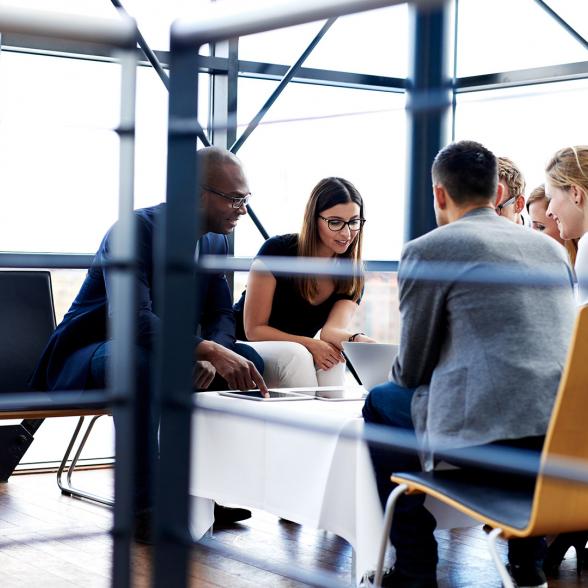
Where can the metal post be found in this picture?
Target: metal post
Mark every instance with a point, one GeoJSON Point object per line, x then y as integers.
{"type": "Point", "coordinates": [429, 100]}
{"type": "Point", "coordinates": [123, 326]}
{"type": "Point", "coordinates": [224, 110]}
{"type": "Point", "coordinates": [177, 298]}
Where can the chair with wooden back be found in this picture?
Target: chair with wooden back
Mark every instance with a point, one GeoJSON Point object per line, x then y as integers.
{"type": "Point", "coordinates": [550, 506]}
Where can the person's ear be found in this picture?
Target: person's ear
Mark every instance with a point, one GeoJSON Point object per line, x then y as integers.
{"type": "Point", "coordinates": [440, 196]}
{"type": "Point", "coordinates": [499, 194]}
{"type": "Point", "coordinates": [578, 195]}
{"type": "Point", "coordinates": [519, 203]}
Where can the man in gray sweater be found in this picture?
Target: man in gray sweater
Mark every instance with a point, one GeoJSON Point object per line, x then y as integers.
{"type": "Point", "coordinates": [481, 349]}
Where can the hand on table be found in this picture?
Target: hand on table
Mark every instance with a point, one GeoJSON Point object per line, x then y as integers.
{"type": "Point", "coordinates": [239, 373]}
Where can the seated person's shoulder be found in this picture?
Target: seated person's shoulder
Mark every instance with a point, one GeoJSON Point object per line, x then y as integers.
{"type": "Point", "coordinates": [213, 243]}
{"type": "Point", "coordinates": [280, 245]}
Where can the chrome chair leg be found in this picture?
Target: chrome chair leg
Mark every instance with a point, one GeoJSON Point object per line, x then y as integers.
{"type": "Point", "coordinates": [67, 488]}
{"type": "Point", "coordinates": [502, 571]}
{"type": "Point", "coordinates": [388, 516]}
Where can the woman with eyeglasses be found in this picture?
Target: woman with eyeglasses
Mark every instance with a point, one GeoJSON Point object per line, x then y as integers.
{"type": "Point", "coordinates": [566, 187]}
{"type": "Point", "coordinates": [280, 315]}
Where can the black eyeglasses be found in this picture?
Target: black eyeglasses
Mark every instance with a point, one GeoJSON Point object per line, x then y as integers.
{"type": "Point", "coordinates": [508, 202]}
{"type": "Point", "coordinates": [336, 224]}
{"type": "Point", "coordinates": [236, 201]}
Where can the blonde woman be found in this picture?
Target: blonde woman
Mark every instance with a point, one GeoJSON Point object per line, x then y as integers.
{"type": "Point", "coordinates": [566, 187]}
{"type": "Point", "coordinates": [540, 221]}
{"type": "Point", "coordinates": [280, 315]}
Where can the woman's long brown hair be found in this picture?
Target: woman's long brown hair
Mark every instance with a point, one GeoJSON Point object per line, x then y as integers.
{"type": "Point", "coordinates": [327, 193]}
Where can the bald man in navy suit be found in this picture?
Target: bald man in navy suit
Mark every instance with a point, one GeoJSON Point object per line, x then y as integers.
{"type": "Point", "coordinates": [78, 353]}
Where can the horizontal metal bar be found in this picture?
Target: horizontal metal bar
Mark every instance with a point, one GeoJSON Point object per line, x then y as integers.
{"type": "Point", "coordinates": [15, 401]}
{"type": "Point", "coordinates": [292, 571]}
{"type": "Point", "coordinates": [114, 32]}
{"type": "Point", "coordinates": [46, 260]}
{"type": "Point", "coordinates": [499, 458]}
{"type": "Point", "coordinates": [430, 271]}
{"type": "Point", "coordinates": [230, 19]}
{"type": "Point", "coordinates": [510, 79]}
{"type": "Point", "coordinates": [272, 71]}
{"type": "Point", "coordinates": [479, 273]}
{"type": "Point", "coordinates": [84, 261]}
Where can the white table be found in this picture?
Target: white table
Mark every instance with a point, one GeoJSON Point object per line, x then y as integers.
{"type": "Point", "coordinates": [311, 478]}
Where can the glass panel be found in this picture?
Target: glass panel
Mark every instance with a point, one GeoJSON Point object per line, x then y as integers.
{"type": "Point", "coordinates": [526, 124]}
{"type": "Point", "coordinates": [373, 42]}
{"type": "Point", "coordinates": [503, 35]}
{"type": "Point", "coordinates": [58, 156]}
{"type": "Point", "coordinates": [316, 131]}
{"type": "Point", "coordinates": [378, 314]}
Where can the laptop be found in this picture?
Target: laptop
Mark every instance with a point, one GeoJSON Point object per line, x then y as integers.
{"type": "Point", "coordinates": [371, 361]}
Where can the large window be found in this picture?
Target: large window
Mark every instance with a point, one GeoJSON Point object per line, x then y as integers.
{"type": "Point", "coordinates": [373, 42]}
{"type": "Point", "coordinates": [527, 124]}
{"type": "Point", "coordinates": [318, 131]}
{"type": "Point", "coordinates": [505, 35]}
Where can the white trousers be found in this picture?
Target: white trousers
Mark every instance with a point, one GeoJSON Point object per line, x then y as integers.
{"type": "Point", "coordinates": [290, 365]}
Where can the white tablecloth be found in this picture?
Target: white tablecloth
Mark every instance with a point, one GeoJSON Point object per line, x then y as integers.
{"type": "Point", "coordinates": [310, 478]}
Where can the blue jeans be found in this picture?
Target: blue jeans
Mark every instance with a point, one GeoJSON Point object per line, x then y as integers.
{"type": "Point", "coordinates": [146, 446]}
{"type": "Point", "coordinates": [413, 525]}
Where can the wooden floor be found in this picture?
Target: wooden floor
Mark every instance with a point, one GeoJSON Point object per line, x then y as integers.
{"type": "Point", "coordinates": [51, 540]}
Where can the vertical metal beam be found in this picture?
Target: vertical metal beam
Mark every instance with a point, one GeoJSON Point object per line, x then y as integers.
{"type": "Point", "coordinates": [224, 110]}
{"type": "Point", "coordinates": [428, 104]}
{"type": "Point", "coordinates": [224, 95]}
{"type": "Point", "coordinates": [455, 65]}
{"type": "Point", "coordinates": [123, 326]}
{"type": "Point", "coordinates": [177, 301]}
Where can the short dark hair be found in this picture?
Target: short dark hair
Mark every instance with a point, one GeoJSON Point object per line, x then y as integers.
{"type": "Point", "coordinates": [467, 170]}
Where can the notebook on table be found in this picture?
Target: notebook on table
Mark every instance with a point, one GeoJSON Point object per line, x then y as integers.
{"type": "Point", "coordinates": [371, 361]}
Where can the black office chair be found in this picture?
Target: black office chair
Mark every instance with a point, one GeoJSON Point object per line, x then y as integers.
{"type": "Point", "coordinates": [27, 319]}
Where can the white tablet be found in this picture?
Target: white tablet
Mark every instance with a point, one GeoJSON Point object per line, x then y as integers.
{"type": "Point", "coordinates": [274, 395]}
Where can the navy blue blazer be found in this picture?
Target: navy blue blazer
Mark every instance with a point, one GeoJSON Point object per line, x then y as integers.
{"type": "Point", "coordinates": [66, 360]}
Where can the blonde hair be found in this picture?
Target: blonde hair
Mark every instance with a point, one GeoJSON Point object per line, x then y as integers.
{"type": "Point", "coordinates": [327, 193]}
{"type": "Point", "coordinates": [569, 167]}
{"type": "Point", "coordinates": [538, 195]}
{"type": "Point", "coordinates": [512, 176]}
